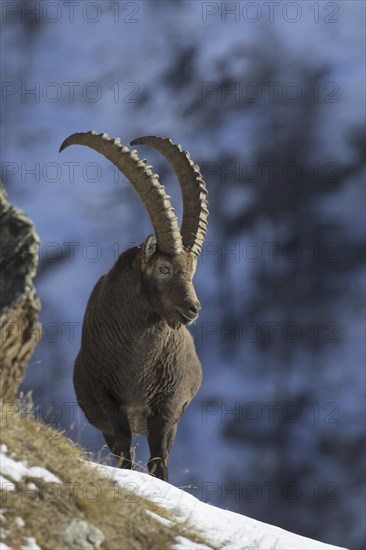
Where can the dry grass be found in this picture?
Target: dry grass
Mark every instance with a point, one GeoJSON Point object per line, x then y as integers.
{"type": "Point", "coordinates": [85, 494]}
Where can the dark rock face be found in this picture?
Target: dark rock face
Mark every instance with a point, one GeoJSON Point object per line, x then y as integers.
{"type": "Point", "coordinates": [19, 305]}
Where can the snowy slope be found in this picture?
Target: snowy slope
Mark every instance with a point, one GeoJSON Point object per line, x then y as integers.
{"type": "Point", "coordinates": [221, 528]}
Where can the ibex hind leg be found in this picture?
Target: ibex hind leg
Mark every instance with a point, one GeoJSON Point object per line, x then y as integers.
{"type": "Point", "coordinates": [117, 433]}
{"type": "Point", "coordinates": [120, 442]}
{"type": "Point", "coordinates": [161, 438]}
{"type": "Point", "coordinates": [121, 451]}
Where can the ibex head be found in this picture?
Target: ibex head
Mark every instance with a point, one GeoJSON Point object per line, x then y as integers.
{"type": "Point", "coordinates": [167, 283]}
{"type": "Point", "coordinates": [168, 259]}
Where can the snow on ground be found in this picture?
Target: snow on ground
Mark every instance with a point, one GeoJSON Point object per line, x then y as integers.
{"type": "Point", "coordinates": [12, 470]}
{"type": "Point", "coordinates": [30, 544]}
{"type": "Point", "coordinates": [218, 527]}
{"type": "Point", "coordinates": [183, 544]}
{"type": "Point", "coordinates": [17, 470]}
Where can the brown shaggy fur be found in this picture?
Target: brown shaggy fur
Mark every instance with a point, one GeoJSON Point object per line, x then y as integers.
{"type": "Point", "coordinates": [137, 368]}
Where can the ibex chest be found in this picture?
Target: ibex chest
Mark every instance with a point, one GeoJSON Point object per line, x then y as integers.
{"type": "Point", "coordinates": [163, 368]}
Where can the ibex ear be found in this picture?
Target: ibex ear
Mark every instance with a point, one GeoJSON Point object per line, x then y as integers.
{"type": "Point", "coordinates": [148, 248]}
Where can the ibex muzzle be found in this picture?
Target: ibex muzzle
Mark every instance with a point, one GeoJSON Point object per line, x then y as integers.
{"type": "Point", "coordinates": [137, 368]}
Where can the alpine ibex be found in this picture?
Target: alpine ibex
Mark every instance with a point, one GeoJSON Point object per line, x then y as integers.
{"type": "Point", "coordinates": [137, 369]}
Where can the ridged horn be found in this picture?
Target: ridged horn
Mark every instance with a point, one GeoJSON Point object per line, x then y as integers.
{"type": "Point", "coordinates": [146, 183]}
{"type": "Point", "coordinates": [194, 192]}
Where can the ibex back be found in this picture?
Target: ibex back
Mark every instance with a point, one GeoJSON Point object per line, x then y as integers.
{"type": "Point", "coordinates": [137, 368]}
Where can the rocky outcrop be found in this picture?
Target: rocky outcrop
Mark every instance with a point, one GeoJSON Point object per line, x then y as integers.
{"type": "Point", "coordinates": [19, 305]}
{"type": "Point", "coordinates": [81, 535]}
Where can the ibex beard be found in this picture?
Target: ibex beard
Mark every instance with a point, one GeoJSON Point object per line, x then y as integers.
{"type": "Point", "coordinates": [137, 369]}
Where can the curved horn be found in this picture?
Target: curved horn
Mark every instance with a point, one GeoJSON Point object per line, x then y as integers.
{"type": "Point", "coordinates": [194, 192]}
{"type": "Point", "coordinates": [146, 183]}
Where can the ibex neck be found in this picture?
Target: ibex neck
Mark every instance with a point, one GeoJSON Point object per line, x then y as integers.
{"type": "Point", "coordinates": [132, 310]}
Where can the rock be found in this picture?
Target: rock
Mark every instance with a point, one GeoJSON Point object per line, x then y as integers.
{"type": "Point", "coordinates": [81, 535]}
{"type": "Point", "coordinates": [19, 304]}
{"type": "Point", "coordinates": [19, 522]}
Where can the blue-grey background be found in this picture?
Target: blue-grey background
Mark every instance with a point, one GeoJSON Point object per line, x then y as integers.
{"type": "Point", "coordinates": [268, 98]}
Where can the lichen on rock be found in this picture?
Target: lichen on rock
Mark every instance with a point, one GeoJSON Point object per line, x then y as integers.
{"type": "Point", "coordinates": [19, 304]}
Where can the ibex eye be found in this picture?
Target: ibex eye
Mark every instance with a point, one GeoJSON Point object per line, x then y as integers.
{"type": "Point", "coordinates": [164, 269]}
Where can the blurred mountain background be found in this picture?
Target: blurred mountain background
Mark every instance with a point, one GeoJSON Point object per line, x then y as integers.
{"type": "Point", "coordinates": [269, 99]}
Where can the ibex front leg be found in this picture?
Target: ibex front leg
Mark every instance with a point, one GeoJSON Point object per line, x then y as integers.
{"type": "Point", "coordinates": [122, 439]}
{"type": "Point", "coordinates": [118, 434]}
{"type": "Point", "coordinates": [161, 438]}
